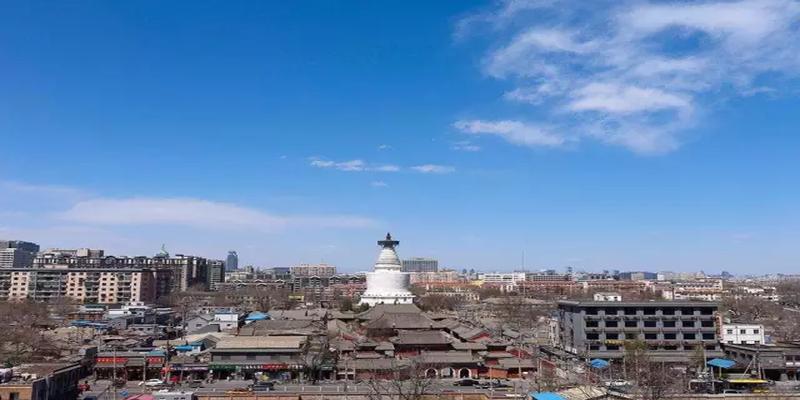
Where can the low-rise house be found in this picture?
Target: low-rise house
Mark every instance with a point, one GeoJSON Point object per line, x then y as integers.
{"type": "Point", "coordinates": [228, 320]}
{"type": "Point", "coordinates": [42, 382]}
{"type": "Point", "coordinates": [198, 322]}
{"type": "Point", "coordinates": [280, 357]}
{"type": "Point", "coordinates": [742, 334]}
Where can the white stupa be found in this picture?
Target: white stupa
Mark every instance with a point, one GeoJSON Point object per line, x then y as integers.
{"type": "Point", "coordinates": [387, 284]}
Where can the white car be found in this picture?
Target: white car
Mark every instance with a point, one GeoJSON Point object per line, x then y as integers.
{"type": "Point", "coordinates": [153, 382]}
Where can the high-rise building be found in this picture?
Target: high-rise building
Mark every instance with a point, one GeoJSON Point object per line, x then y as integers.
{"type": "Point", "coordinates": [420, 264]}
{"type": "Point", "coordinates": [232, 262]}
{"type": "Point", "coordinates": [17, 253]}
{"type": "Point", "coordinates": [216, 273]}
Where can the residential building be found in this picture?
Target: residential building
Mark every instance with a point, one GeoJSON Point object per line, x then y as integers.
{"type": "Point", "coordinates": [309, 270]}
{"type": "Point", "coordinates": [742, 334]}
{"type": "Point", "coordinates": [232, 261]}
{"type": "Point", "coordinates": [17, 253]}
{"type": "Point", "coordinates": [447, 275]}
{"type": "Point", "coordinates": [671, 329]}
{"type": "Point", "coordinates": [420, 264]}
{"type": "Point", "coordinates": [502, 277]}
{"type": "Point", "coordinates": [84, 285]}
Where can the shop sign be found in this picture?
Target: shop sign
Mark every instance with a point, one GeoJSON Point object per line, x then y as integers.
{"type": "Point", "coordinates": [111, 360]}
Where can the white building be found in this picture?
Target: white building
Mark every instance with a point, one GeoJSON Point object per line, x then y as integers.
{"type": "Point", "coordinates": [502, 277]}
{"type": "Point", "coordinates": [607, 296]}
{"type": "Point", "coordinates": [387, 284]}
{"type": "Point", "coordinates": [742, 334]}
{"type": "Point", "coordinates": [227, 320]}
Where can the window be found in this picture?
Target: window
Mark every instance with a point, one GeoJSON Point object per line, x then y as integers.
{"type": "Point", "coordinates": [649, 311]}
{"type": "Point", "coordinates": [756, 342]}
{"type": "Point", "coordinates": [612, 324]}
{"type": "Point", "coordinates": [592, 336]}
{"type": "Point", "coordinates": [688, 336]}
{"type": "Point", "coordinates": [631, 324]}
{"type": "Point", "coordinates": [708, 336]}
{"type": "Point", "coordinates": [729, 331]}
{"type": "Point", "coordinates": [612, 347]}
{"type": "Point", "coordinates": [591, 324]}
{"type": "Point", "coordinates": [669, 324]}
{"type": "Point", "coordinates": [742, 331]}
{"type": "Point", "coordinates": [13, 396]}
{"type": "Point", "coordinates": [649, 324]}
{"type": "Point", "coordinates": [756, 331]}
{"type": "Point", "coordinates": [594, 348]}
{"type": "Point", "coordinates": [630, 336]}
{"type": "Point", "coordinates": [650, 336]}
{"type": "Point", "coordinates": [707, 324]}
{"type": "Point", "coordinates": [669, 336]}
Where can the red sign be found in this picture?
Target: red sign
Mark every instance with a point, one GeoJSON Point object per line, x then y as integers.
{"type": "Point", "coordinates": [111, 360]}
{"type": "Point", "coordinates": [155, 360]}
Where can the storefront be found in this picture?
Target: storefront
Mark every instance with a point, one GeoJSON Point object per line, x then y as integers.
{"type": "Point", "coordinates": [187, 371]}
{"type": "Point", "coordinates": [274, 371]}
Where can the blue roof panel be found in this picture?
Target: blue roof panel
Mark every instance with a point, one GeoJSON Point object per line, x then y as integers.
{"type": "Point", "coordinates": [721, 363]}
{"type": "Point", "coordinates": [547, 396]}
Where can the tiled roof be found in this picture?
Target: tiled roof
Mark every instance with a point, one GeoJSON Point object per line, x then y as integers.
{"type": "Point", "coordinates": [402, 321]}
{"type": "Point", "coordinates": [261, 342]}
{"type": "Point", "coordinates": [421, 337]}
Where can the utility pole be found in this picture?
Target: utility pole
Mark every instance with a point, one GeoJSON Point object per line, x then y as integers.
{"type": "Point", "coordinates": [114, 375]}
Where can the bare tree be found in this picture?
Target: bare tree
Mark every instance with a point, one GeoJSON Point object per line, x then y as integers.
{"type": "Point", "coordinates": [23, 339]}
{"type": "Point", "coordinates": [438, 302]}
{"type": "Point", "coordinates": [653, 380]}
{"type": "Point", "coordinates": [406, 381]}
{"type": "Point", "coordinates": [789, 292]}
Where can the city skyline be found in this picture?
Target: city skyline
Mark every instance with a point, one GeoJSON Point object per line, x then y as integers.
{"type": "Point", "coordinates": [642, 138]}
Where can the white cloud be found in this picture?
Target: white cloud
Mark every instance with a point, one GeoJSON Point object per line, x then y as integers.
{"type": "Point", "coordinates": [619, 99]}
{"type": "Point", "coordinates": [352, 165]}
{"type": "Point", "coordinates": [379, 184]}
{"type": "Point", "coordinates": [384, 147]}
{"type": "Point", "coordinates": [647, 69]}
{"type": "Point", "coordinates": [515, 132]}
{"type": "Point", "coordinates": [195, 213]}
{"type": "Point", "coordinates": [433, 169]}
{"type": "Point", "coordinates": [465, 145]}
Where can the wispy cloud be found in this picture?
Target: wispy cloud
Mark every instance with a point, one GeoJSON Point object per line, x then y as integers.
{"type": "Point", "coordinates": [352, 165]}
{"type": "Point", "coordinates": [433, 169]}
{"type": "Point", "coordinates": [465, 145]}
{"type": "Point", "coordinates": [384, 147]}
{"type": "Point", "coordinates": [515, 132]}
{"type": "Point", "coordinates": [361, 166]}
{"type": "Point", "coordinates": [379, 184]}
{"type": "Point", "coordinates": [195, 213]}
{"type": "Point", "coordinates": [631, 73]}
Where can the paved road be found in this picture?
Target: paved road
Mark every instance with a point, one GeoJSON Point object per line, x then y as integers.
{"type": "Point", "coordinates": [103, 391]}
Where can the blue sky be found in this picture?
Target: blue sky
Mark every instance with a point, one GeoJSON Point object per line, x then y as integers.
{"type": "Point", "coordinates": [625, 134]}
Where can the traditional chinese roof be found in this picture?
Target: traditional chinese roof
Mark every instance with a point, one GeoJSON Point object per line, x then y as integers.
{"type": "Point", "coordinates": [421, 338]}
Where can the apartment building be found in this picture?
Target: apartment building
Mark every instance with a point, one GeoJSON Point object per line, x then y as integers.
{"type": "Point", "coordinates": [308, 270]}
{"type": "Point", "coordinates": [672, 330]}
{"type": "Point", "coordinates": [96, 285]}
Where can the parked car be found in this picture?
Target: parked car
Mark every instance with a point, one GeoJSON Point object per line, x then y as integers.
{"type": "Point", "coordinates": [153, 383]}
{"type": "Point", "coordinates": [263, 386]}
{"type": "Point", "coordinates": [494, 384]}
{"type": "Point", "coordinates": [467, 382]}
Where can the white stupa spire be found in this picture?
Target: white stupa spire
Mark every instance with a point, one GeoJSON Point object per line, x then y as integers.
{"type": "Point", "coordinates": [387, 283]}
